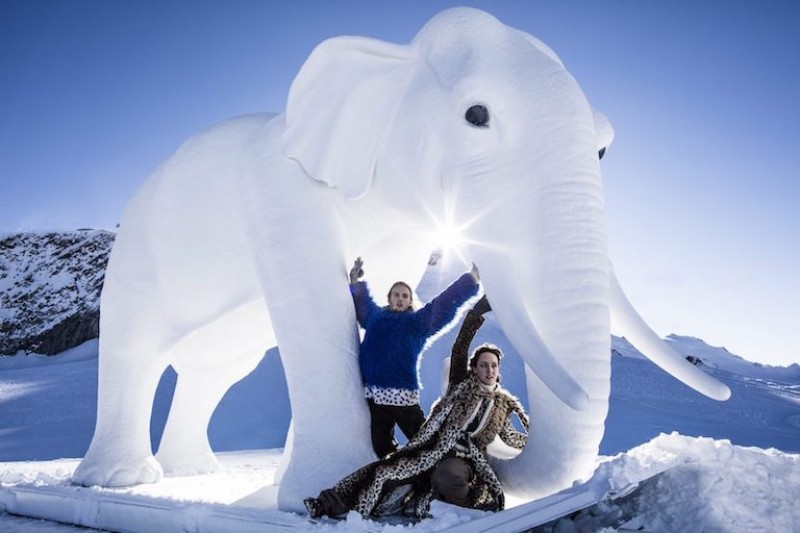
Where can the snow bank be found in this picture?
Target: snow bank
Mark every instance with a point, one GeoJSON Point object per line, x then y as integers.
{"type": "Point", "coordinates": [723, 487]}
{"type": "Point", "coordinates": [712, 485]}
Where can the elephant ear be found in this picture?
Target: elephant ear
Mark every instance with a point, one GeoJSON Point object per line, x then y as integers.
{"type": "Point", "coordinates": [340, 107]}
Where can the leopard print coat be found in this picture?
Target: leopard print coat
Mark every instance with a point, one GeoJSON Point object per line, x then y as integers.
{"type": "Point", "coordinates": [438, 438]}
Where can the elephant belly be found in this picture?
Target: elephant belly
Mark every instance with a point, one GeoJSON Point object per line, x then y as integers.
{"type": "Point", "coordinates": [183, 256]}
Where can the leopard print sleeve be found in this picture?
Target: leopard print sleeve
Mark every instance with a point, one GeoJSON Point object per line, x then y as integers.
{"type": "Point", "coordinates": [526, 422]}
{"type": "Point", "coordinates": [508, 433]}
{"type": "Point", "coordinates": [459, 353]}
{"type": "Point", "coordinates": [511, 436]}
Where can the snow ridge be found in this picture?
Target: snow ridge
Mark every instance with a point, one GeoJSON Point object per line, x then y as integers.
{"type": "Point", "coordinates": [50, 287]}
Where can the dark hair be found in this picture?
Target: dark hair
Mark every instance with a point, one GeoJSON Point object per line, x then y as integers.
{"type": "Point", "coordinates": [407, 286]}
{"type": "Point", "coordinates": [484, 348]}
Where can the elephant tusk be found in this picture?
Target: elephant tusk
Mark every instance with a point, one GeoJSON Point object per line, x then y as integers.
{"type": "Point", "coordinates": [627, 321]}
{"type": "Point", "coordinates": [544, 364]}
{"type": "Point", "coordinates": [518, 327]}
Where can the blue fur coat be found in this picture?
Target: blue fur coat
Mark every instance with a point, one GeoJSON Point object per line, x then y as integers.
{"type": "Point", "coordinates": [393, 340]}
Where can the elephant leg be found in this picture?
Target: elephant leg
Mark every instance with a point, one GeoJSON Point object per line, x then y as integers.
{"type": "Point", "coordinates": [315, 326]}
{"type": "Point", "coordinates": [120, 453]}
{"type": "Point", "coordinates": [330, 420]}
{"type": "Point", "coordinates": [301, 264]}
{"type": "Point", "coordinates": [230, 347]}
{"type": "Point", "coordinates": [184, 447]}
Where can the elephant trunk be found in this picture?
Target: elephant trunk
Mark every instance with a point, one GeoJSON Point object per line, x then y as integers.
{"type": "Point", "coordinates": [548, 283]}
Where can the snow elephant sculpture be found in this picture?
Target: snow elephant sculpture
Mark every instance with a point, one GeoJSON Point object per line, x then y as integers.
{"type": "Point", "coordinates": [243, 238]}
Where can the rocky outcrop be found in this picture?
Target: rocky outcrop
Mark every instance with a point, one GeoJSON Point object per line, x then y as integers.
{"type": "Point", "coordinates": [50, 287]}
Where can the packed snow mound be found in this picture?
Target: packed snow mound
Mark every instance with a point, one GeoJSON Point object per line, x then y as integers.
{"type": "Point", "coordinates": [718, 486]}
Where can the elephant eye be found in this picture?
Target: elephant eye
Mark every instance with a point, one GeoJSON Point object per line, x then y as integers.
{"type": "Point", "coordinates": [601, 153]}
{"type": "Point", "coordinates": [478, 115]}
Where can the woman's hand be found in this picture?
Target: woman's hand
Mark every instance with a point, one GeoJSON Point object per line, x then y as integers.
{"type": "Point", "coordinates": [481, 306]}
{"type": "Point", "coordinates": [357, 271]}
{"type": "Point", "coordinates": [475, 274]}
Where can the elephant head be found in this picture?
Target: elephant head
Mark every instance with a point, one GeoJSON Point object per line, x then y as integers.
{"type": "Point", "coordinates": [479, 125]}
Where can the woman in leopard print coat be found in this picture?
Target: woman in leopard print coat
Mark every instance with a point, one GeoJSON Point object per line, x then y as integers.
{"type": "Point", "coordinates": [447, 459]}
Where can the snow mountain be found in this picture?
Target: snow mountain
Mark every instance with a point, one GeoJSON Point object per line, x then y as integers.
{"type": "Point", "coordinates": [50, 287]}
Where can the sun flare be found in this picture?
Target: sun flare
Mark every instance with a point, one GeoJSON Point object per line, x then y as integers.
{"type": "Point", "coordinates": [449, 237]}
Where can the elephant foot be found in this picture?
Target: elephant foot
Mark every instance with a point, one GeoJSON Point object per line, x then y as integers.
{"type": "Point", "coordinates": [108, 472]}
{"type": "Point", "coordinates": [189, 464]}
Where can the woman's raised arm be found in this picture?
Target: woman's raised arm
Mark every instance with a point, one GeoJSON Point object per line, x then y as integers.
{"type": "Point", "coordinates": [459, 353]}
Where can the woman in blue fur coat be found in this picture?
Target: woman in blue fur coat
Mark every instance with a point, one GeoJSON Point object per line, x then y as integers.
{"type": "Point", "coordinates": [394, 336]}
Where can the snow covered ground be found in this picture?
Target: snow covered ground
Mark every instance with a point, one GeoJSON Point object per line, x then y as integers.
{"type": "Point", "coordinates": [745, 478]}
{"type": "Point", "coordinates": [712, 485]}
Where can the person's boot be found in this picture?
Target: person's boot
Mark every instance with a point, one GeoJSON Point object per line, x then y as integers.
{"type": "Point", "coordinates": [314, 507]}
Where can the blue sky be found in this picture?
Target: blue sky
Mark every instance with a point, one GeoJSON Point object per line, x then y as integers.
{"type": "Point", "coordinates": [701, 182]}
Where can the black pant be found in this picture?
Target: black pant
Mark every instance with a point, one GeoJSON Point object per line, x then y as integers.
{"type": "Point", "coordinates": [451, 481]}
{"type": "Point", "coordinates": [384, 417]}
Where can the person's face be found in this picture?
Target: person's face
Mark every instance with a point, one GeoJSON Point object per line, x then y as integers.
{"type": "Point", "coordinates": [399, 298]}
{"type": "Point", "coordinates": [487, 368]}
